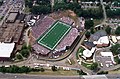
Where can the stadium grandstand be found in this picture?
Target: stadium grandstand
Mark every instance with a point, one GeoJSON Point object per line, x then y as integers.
{"type": "Point", "coordinates": [53, 35]}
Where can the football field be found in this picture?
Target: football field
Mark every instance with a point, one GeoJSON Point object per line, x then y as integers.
{"type": "Point", "coordinates": [54, 35]}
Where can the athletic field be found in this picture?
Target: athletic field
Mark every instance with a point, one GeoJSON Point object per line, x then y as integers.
{"type": "Point", "coordinates": [54, 35]}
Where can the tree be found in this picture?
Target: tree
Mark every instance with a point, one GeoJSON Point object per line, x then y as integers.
{"type": "Point", "coordinates": [108, 30]}
{"type": "Point", "coordinates": [29, 48]}
{"type": "Point", "coordinates": [92, 30]}
{"type": "Point", "coordinates": [87, 35]}
{"type": "Point", "coordinates": [89, 24]}
{"type": "Point", "coordinates": [81, 72]}
{"type": "Point", "coordinates": [24, 46]}
{"type": "Point", "coordinates": [117, 31]}
{"type": "Point", "coordinates": [41, 9]}
{"type": "Point", "coordinates": [54, 68]}
{"type": "Point", "coordinates": [115, 49]}
{"type": "Point", "coordinates": [25, 52]}
{"type": "Point", "coordinates": [94, 66]}
{"type": "Point", "coordinates": [19, 56]}
{"type": "Point", "coordinates": [24, 69]}
{"type": "Point", "coordinates": [117, 60]}
{"type": "Point", "coordinates": [42, 69]}
{"type": "Point", "coordinates": [102, 72]}
{"type": "Point", "coordinates": [3, 69]}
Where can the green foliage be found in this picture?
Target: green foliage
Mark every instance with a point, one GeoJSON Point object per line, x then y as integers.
{"type": "Point", "coordinates": [42, 69]}
{"type": "Point", "coordinates": [24, 46]}
{"type": "Point", "coordinates": [89, 24]}
{"type": "Point", "coordinates": [28, 3]}
{"type": "Point", "coordinates": [29, 48]}
{"type": "Point", "coordinates": [115, 48]}
{"type": "Point", "coordinates": [80, 51]}
{"type": "Point", "coordinates": [102, 72]}
{"type": "Point", "coordinates": [113, 12]}
{"type": "Point", "coordinates": [87, 34]}
{"type": "Point", "coordinates": [43, 2]}
{"type": "Point", "coordinates": [117, 31]}
{"type": "Point", "coordinates": [92, 30]}
{"type": "Point", "coordinates": [19, 56]}
{"type": "Point", "coordinates": [54, 68]}
{"type": "Point", "coordinates": [117, 60]}
{"type": "Point", "coordinates": [41, 9]}
{"type": "Point", "coordinates": [25, 52]}
{"type": "Point", "coordinates": [108, 30]}
{"type": "Point", "coordinates": [81, 72]}
{"type": "Point", "coordinates": [94, 66]}
{"type": "Point", "coordinates": [16, 69]}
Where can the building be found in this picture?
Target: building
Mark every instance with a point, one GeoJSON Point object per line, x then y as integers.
{"type": "Point", "coordinates": [43, 26]}
{"type": "Point", "coordinates": [103, 41]}
{"type": "Point", "coordinates": [88, 44]}
{"type": "Point", "coordinates": [12, 17]}
{"type": "Point", "coordinates": [100, 38]}
{"type": "Point", "coordinates": [88, 53]}
{"type": "Point", "coordinates": [6, 50]}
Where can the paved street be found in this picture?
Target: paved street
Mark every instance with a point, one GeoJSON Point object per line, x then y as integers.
{"type": "Point", "coordinates": [25, 76]}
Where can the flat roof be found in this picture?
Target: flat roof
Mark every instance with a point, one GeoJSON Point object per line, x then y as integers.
{"type": "Point", "coordinates": [12, 16]}
{"type": "Point", "coordinates": [54, 35]}
{"type": "Point", "coordinates": [6, 49]}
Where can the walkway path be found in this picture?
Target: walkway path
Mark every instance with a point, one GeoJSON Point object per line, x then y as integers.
{"type": "Point", "coordinates": [104, 12]}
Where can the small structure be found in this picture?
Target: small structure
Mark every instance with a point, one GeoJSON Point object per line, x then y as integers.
{"type": "Point", "coordinates": [12, 17]}
{"type": "Point", "coordinates": [6, 50]}
{"type": "Point", "coordinates": [114, 39]}
{"type": "Point", "coordinates": [88, 53]}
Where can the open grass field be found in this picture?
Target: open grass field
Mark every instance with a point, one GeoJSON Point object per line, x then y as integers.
{"type": "Point", "coordinates": [54, 35]}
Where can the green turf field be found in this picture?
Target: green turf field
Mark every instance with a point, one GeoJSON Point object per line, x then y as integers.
{"type": "Point", "coordinates": [54, 35]}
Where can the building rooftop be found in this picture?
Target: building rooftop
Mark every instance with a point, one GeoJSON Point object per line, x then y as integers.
{"type": "Point", "coordinates": [12, 17]}
{"type": "Point", "coordinates": [97, 35]}
{"type": "Point", "coordinates": [6, 49]}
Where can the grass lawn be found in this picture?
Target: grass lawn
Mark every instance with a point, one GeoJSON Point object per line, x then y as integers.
{"type": "Point", "coordinates": [79, 52]}
{"type": "Point", "coordinates": [114, 71]}
{"type": "Point", "coordinates": [86, 65]}
{"type": "Point", "coordinates": [54, 35]}
{"type": "Point", "coordinates": [55, 73]}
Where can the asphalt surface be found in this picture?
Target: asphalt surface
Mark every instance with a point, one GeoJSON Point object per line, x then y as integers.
{"type": "Point", "coordinates": [24, 76]}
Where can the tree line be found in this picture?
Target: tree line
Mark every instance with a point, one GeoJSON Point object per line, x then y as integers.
{"type": "Point", "coordinates": [44, 7]}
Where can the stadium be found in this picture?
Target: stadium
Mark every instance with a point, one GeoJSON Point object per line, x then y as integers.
{"type": "Point", "coordinates": [53, 37]}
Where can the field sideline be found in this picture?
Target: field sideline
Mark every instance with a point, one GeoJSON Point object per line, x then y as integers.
{"type": "Point", "coordinates": [54, 35]}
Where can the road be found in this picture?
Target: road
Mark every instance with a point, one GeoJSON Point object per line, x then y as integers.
{"type": "Point", "coordinates": [26, 76]}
